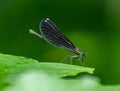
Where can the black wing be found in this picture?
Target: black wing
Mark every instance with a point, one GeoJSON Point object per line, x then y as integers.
{"type": "Point", "coordinates": [51, 34]}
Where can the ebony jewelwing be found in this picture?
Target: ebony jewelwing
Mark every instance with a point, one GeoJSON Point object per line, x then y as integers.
{"type": "Point", "coordinates": [51, 33]}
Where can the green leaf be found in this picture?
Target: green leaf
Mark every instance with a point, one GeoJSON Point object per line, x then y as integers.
{"type": "Point", "coordinates": [13, 66]}
{"type": "Point", "coordinates": [7, 61]}
{"type": "Point", "coordinates": [57, 70]}
{"type": "Point", "coordinates": [24, 74]}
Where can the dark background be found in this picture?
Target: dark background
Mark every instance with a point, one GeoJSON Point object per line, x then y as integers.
{"type": "Point", "coordinates": [93, 25]}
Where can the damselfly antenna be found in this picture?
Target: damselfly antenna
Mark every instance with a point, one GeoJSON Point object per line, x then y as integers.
{"type": "Point", "coordinates": [51, 33]}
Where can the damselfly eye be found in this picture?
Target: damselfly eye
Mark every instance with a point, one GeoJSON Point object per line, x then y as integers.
{"type": "Point", "coordinates": [83, 54]}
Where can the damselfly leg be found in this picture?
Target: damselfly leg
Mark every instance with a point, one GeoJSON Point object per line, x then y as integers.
{"type": "Point", "coordinates": [71, 59]}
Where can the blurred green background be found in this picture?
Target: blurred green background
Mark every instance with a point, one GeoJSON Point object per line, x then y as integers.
{"type": "Point", "coordinates": [93, 25]}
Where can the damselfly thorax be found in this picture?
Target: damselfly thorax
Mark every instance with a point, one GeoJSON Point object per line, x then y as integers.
{"type": "Point", "coordinates": [51, 33]}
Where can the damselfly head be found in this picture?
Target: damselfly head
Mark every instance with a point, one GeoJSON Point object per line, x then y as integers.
{"type": "Point", "coordinates": [82, 54]}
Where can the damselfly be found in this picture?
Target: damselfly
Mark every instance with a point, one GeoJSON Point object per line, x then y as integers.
{"type": "Point", "coordinates": [51, 33]}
